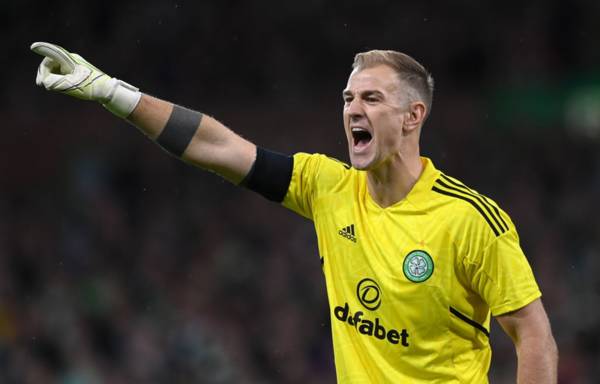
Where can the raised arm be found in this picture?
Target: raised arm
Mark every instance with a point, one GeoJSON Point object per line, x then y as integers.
{"type": "Point", "coordinates": [537, 353]}
{"type": "Point", "coordinates": [196, 138]}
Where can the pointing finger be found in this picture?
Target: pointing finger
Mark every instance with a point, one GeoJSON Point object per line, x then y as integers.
{"type": "Point", "coordinates": [56, 53]}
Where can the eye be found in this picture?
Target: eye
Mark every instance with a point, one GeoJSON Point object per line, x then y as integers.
{"type": "Point", "coordinates": [371, 99]}
{"type": "Point", "coordinates": [347, 99]}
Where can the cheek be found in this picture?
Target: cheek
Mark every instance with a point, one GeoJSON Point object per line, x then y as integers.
{"type": "Point", "coordinates": [391, 139]}
{"type": "Point", "coordinates": [345, 118]}
{"type": "Point", "coordinates": [391, 131]}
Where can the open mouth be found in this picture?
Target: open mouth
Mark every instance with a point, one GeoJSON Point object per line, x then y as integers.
{"type": "Point", "coordinates": [361, 137]}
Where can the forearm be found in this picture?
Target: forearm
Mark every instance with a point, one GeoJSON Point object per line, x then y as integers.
{"type": "Point", "coordinates": [213, 146]}
{"type": "Point", "coordinates": [151, 115]}
{"type": "Point", "coordinates": [537, 360]}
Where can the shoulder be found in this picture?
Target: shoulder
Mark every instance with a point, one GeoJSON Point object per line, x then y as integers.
{"type": "Point", "coordinates": [319, 160]}
{"type": "Point", "coordinates": [315, 176]}
{"type": "Point", "coordinates": [466, 207]}
{"type": "Point", "coordinates": [318, 167]}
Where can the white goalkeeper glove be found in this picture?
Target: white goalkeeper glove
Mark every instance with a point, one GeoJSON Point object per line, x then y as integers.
{"type": "Point", "coordinates": [69, 73]}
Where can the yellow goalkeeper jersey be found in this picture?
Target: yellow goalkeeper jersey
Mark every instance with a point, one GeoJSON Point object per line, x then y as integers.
{"type": "Point", "coordinates": [411, 287]}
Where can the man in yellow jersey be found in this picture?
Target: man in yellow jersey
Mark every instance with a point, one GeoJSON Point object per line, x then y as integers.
{"type": "Point", "coordinates": [415, 262]}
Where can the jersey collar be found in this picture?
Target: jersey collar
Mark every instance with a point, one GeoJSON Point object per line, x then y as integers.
{"type": "Point", "coordinates": [422, 187]}
{"type": "Point", "coordinates": [419, 191]}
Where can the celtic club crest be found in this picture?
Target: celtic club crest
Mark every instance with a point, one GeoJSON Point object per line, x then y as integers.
{"type": "Point", "coordinates": [418, 266]}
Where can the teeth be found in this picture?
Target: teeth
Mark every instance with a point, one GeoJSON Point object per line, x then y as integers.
{"type": "Point", "coordinates": [356, 129]}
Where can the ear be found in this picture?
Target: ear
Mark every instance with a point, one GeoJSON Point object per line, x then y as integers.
{"type": "Point", "coordinates": [415, 116]}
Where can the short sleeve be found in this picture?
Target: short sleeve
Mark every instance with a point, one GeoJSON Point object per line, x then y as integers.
{"type": "Point", "coordinates": [313, 175]}
{"type": "Point", "coordinates": [502, 276]}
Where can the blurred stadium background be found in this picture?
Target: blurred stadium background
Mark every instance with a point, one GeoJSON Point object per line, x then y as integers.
{"type": "Point", "coordinates": [119, 264]}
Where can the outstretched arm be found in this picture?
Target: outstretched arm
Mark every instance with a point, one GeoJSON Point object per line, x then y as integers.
{"type": "Point", "coordinates": [195, 138]}
{"type": "Point", "coordinates": [213, 146]}
{"type": "Point", "coordinates": [537, 353]}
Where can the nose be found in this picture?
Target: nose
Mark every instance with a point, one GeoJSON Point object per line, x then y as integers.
{"type": "Point", "coordinates": [355, 110]}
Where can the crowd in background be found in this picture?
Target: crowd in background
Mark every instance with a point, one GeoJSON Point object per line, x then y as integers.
{"type": "Point", "coordinates": [120, 264]}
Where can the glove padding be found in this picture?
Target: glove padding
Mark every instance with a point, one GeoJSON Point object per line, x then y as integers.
{"type": "Point", "coordinates": [69, 73]}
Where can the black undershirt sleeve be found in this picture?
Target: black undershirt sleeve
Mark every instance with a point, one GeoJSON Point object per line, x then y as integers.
{"type": "Point", "coordinates": [270, 174]}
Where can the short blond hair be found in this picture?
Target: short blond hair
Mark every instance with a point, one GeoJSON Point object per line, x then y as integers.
{"type": "Point", "coordinates": [409, 70]}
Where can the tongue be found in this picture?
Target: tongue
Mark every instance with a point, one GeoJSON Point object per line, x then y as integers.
{"type": "Point", "coordinates": [362, 142]}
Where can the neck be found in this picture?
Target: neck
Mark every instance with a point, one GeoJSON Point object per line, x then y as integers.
{"type": "Point", "coordinates": [393, 180]}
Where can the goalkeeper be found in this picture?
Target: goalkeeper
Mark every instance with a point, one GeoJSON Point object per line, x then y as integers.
{"type": "Point", "coordinates": [415, 262]}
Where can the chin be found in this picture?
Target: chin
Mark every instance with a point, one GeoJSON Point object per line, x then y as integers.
{"type": "Point", "coordinates": [363, 161]}
{"type": "Point", "coordinates": [361, 164]}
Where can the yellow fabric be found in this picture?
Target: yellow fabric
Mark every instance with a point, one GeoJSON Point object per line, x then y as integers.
{"type": "Point", "coordinates": [391, 321]}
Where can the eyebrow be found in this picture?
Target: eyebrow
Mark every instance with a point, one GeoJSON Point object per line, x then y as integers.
{"type": "Point", "coordinates": [368, 92]}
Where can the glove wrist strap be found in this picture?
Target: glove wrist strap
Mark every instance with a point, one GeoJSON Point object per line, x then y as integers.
{"type": "Point", "coordinates": [125, 97]}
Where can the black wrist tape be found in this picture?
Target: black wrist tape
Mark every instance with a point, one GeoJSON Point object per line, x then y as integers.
{"type": "Point", "coordinates": [179, 131]}
{"type": "Point", "coordinates": [270, 174]}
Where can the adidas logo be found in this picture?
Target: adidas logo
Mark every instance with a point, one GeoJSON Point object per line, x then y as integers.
{"type": "Point", "coordinates": [348, 233]}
